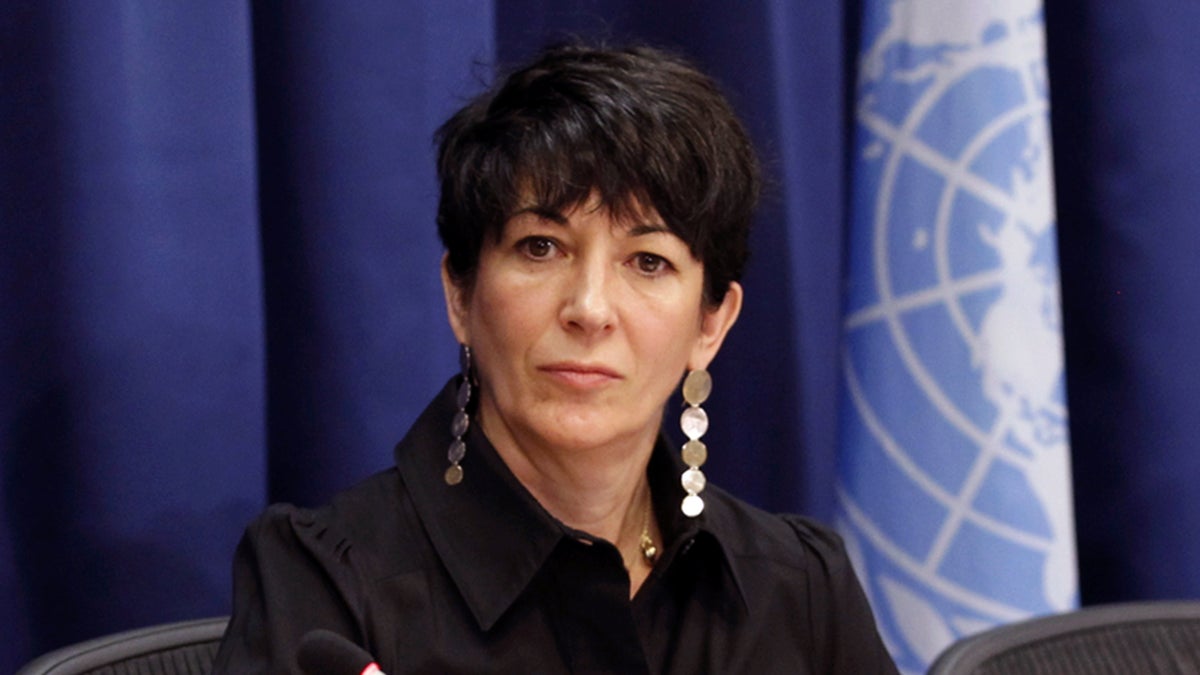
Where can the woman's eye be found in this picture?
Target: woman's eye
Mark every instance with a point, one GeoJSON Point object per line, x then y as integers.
{"type": "Point", "coordinates": [648, 263]}
{"type": "Point", "coordinates": [537, 247]}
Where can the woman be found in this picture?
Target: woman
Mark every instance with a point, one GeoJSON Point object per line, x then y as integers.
{"type": "Point", "coordinates": [595, 209]}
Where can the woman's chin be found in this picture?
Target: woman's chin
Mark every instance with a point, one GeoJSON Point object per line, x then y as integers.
{"type": "Point", "coordinates": [574, 431]}
{"type": "Point", "coordinates": [572, 422]}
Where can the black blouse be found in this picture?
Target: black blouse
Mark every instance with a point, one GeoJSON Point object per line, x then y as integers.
{"type": "Point", "coordinates": [479, 578]}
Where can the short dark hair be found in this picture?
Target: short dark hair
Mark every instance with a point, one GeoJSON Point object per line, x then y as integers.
{"type": "Point", "coordinates": [632, 124]}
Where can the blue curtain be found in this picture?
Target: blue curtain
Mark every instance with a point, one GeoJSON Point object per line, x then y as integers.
{"type": "Point", "coordinates": [1123, 106]}
{"type": "Point", "coordinates": [219, 272]}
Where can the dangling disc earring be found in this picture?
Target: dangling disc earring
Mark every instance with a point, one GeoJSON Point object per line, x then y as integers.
{"type": "Point", "coordinates": [694, 422]}
{"type": "Point", "coordinates": [461, 421]}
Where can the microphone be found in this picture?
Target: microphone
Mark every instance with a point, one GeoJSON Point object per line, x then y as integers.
{"type": "Point", "coordinates": [324, 652]}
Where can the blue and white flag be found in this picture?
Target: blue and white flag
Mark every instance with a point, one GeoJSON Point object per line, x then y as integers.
{"type": "Point", "coordinates": [954, 470]}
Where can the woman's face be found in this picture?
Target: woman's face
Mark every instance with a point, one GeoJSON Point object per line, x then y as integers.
{"type": "Point", "coordinates": [580, 327]}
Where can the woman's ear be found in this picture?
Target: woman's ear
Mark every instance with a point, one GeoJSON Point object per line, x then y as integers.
{"type": "Point", "coordinates": [457, 304]}
{"type": "Point", "coordinates": [714, 326]}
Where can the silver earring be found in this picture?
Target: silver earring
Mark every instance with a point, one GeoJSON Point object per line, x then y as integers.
{"type": "Point", "coordinates": [461, 421]}
{"type": "Point", "coordinates": [694, 421]}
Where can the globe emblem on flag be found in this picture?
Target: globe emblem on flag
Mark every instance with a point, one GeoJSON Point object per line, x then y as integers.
{"type": "Point", "coordinates": [953, 496]}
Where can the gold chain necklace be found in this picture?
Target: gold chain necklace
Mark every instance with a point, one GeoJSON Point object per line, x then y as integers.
{"type": "Point", "coordinates": [646, 543]}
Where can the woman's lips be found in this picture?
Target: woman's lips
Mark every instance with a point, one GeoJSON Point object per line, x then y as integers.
{"type": "Point", "coordinates": [585, 376]}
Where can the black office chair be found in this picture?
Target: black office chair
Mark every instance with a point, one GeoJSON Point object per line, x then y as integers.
{"type": "Point", "coordinates": [185, 648]}
{"type": "Point", "coordinates": [1142, 638]}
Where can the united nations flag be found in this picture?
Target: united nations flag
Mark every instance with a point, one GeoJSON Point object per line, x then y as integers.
{"type": "Point", "coordinates": [954, 490]}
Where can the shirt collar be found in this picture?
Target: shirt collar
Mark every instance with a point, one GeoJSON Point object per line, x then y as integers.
{"type": "Point", "coordinates": [490, 532]}
{"type": "Point", "coordinates": [716, 526]}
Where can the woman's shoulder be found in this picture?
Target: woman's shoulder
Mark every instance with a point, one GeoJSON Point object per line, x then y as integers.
{"type": "Point", "coordinates": [787, 539]}
{"type": "Point", "coordinates": [369, 526]}
{"type": "Point", "coordinates": [800, 567]}
{"type": "Point", "coordinates": [344, 508]}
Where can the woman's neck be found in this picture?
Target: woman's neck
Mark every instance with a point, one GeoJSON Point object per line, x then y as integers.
{"type": "Point", "coordinates": [600, 490]}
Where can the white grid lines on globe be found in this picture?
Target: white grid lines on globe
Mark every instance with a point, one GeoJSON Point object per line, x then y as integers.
{"type": "Point", "coordinates": [1029, 113]}
{"type": "Point", "coordinates": [890, 307]}
{"type": "Point", "coordinates": [925, 297]}
{"type": "Point", "coordinates": [905, 143]}
{"type": "Point", "coordinates": [919, 477]}
{"type": "Point", "coordinates": [961, 506]}
{"type": "Point", "coordinates": [958, 177]}
{"type": "Point", "coordinates": [999, 611]}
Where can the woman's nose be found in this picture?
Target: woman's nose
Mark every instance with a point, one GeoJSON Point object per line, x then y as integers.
{"type": "Point", "coordinates": [588, 305]}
